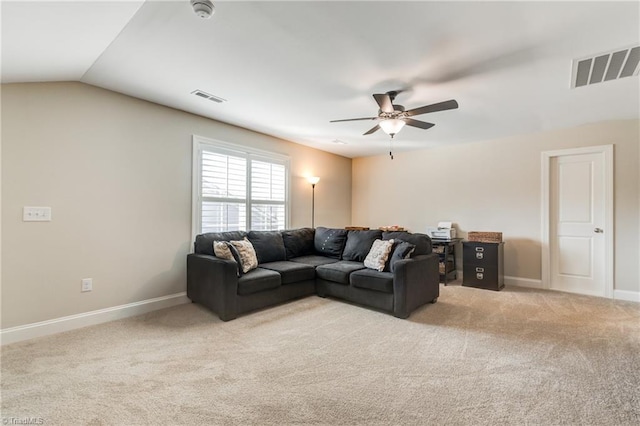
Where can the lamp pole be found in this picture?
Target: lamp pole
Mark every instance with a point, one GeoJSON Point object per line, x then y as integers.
{"type": "Point", "coordinates": [313, 180]}
{"type": "Point", "coordinates": [313, 205]}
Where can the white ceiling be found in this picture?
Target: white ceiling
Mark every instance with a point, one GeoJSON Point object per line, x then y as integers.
{"type": "Point", "coordinates": [287, 68]}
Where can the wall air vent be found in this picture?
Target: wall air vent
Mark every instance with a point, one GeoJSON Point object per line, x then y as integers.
{"type": "Point", "coordinates": [208, 96]}
{"type": "Point", "coordinates": [605, 66]}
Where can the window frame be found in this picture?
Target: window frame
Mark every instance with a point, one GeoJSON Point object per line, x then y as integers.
{"type": "Point", "coordinates": [201, 143]}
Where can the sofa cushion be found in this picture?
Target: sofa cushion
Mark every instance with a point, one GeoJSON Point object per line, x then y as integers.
{"type": "Point", "coordinates": [291, 272]}
{"type": "Point", "coordinates": [258, 280]}
{"type": "Point", "coordinates": [314, 260]}
{"type": "Point", "coordinates": [377, 257]}
{"type": "Point", "coordinates": [247, 254]}
{"type": "Point", "coordinates": [338, 272]}
{"type": "Point", "coordinates": [298, 242]}
{"type": "Point", "coordinates": [421, 241]}
{"type": "Point", "coordinates": [204, 242]}
{"type": "Point", "coordinates": [372, 280]}
{"type": "Point", "coordinates": [401, 250]}
{"type": "Point", "coordinates": [268, 245]}
{"type": "Point", "coordinates": [359, 244]}
{"type": "Point", "coordinates": [329, 241]}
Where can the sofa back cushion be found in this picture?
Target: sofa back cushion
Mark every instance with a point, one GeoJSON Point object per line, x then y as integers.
{"type": "Point", "coordinates": [421, 241]}
{"type": "Point", "coordinates": [298, 242]}
{"type": "Point", "coordinates": [330, 241]}
{"type": "Point", "coordinates": [268, 245]}
{"type": "Point", "coordinates": [359, 244]}
{"type": "Point", "coordinates": [204, 242]}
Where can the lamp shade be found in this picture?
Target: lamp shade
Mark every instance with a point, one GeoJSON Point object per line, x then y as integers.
{"type": "Point", "coordinates": [392, 126]}
{"type": "Point", "coordinates": [313, 179]}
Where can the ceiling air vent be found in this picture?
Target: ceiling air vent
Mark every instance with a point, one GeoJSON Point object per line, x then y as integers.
{"type": "Point", "coordinates": [208, 96]}
{"type": "Point", "coordinates": [606, 66]}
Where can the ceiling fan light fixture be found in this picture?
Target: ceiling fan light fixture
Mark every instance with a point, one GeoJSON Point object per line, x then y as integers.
{"type": "Point", "coordinates": [392, 126]}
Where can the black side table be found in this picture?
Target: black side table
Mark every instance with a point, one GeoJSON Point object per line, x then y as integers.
{"type": "Point", "coordinates": [446, 250]}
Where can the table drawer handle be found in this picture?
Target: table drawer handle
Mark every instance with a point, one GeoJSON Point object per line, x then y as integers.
{"type": "Point", "coordinates": [479, 255]}
{"type": "Point", "coordinates": [479, 269]}
{"type": "Point", "coordinates": [479, 275]}
{"type": "Point", "coordinates": [479, 248]}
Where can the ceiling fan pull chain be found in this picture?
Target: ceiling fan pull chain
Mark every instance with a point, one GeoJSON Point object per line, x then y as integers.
{"type": "Point", "coordinates": [390, 150]}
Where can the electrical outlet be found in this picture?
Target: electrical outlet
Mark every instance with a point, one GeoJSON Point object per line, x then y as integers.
{"type": "Point", "coordinates": [87, 284]}
{"type": "Point", "coordinates": [36, 214]}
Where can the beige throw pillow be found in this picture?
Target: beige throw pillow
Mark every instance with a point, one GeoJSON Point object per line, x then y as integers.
{"type": "Point", "coordinates": [378, 255]}
{"type": "Point", "coordinates": [221, 250]}
{"type": "Point", "coordinates": [248, 258]}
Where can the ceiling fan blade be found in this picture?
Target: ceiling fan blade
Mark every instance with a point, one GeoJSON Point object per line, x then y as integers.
{"type": "Point", "coordinates": [354, 119]}
{"type": "Point", "coordinates": [375, 129]}
{"type": "Point", "coordinates": [384, 102]}
{"type": "Point", "coordinates": [441, 106]}
{"type": "Point", "coordinates": [418, 123]}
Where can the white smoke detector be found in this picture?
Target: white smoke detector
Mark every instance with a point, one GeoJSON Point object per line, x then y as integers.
{"type": "Point", "coordinates": [203, 8]}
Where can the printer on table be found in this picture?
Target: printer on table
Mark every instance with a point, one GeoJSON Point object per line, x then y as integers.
{"type": "Point", "coordinates": [444, 231]}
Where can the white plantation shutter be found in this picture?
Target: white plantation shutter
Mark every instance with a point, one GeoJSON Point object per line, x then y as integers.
{"type": "Point", "coordinates": [238, 189]}
{"type": "Point", "coordinates": [223, 176]}
{"type": "Point", "coordinates": [267, 195]}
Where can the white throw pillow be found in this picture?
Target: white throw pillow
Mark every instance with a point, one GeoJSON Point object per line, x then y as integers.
{"type": "Point", "coordinates": [378, 255]}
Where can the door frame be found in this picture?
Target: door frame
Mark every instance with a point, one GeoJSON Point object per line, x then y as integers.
{"type": "Point", "coordinates": [547, 156]}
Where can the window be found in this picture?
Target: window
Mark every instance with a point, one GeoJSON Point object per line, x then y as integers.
{"type": "Point", "coordinates": [238, 188]}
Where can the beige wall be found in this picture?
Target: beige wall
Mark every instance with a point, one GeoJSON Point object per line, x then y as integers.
{"type": "Point", "coordinates": [496, 186]}
{"type": "Point", "coordinates": [117, 173]}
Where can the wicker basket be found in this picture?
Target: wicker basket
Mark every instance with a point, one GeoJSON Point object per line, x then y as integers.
{"type": "Point", "coordinates": [443, 267]}
{"type": "Point", "coordinates": [484, 237]}
{"type": "Point", "coordinates": [392, 228]}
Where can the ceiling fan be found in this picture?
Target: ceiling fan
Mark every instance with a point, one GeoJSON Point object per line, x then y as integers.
{"type": "Point", "coordinates": [393, 117]}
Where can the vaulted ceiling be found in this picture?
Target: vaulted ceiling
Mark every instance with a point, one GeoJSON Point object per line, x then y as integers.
{"type": "Point", "coordinates": [287, 68]}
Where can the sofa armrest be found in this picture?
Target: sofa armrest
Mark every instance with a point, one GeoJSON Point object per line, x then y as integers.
{"type": "Point", "coordinates": [416, 281]}
{"type": "Point", "coordinates": [213, 282]}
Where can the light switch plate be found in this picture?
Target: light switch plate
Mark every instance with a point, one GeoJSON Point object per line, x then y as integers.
{"type": "Point", "coordinates": [36, 214]}
{"type": "Point", "coordinates": [87, 284]}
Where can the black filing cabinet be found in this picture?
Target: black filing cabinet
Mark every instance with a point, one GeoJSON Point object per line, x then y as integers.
{"type": "Point", "coordinates": [482, 265]}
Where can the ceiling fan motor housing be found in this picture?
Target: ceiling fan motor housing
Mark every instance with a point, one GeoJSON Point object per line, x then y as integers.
{"type": "Point", "coordinates": [397, 112]}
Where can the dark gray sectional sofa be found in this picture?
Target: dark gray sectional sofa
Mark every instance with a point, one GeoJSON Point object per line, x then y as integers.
{"type": "Point", "coordinates": [302, 262]}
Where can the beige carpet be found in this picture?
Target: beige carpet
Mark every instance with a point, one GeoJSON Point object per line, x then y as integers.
{"type": "Point", "coordinates": [476, 357]}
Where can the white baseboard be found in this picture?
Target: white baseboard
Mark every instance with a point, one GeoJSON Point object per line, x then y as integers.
{"type": "Point", "coordinates": [523, 282]}
{"type": "Point", "coordinates": [631, 296]}
{"type": "Point", "coordinates": [72, 322]}
{"type": "Point", "coordinates": [516, 281]}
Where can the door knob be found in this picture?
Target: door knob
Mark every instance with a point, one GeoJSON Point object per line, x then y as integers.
{"type": "Point", "coordinates": [598, 230]}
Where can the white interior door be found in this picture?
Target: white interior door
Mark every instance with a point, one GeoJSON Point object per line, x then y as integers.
{"type": "Point", "coordinates": [577, 225]}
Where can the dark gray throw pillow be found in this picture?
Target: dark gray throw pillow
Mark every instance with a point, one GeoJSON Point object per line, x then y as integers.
{"type": "Point", "coordinates": [236, 257]}
{"type": "Point", "coordinates": [268, 245]}
{"type": "Point", "coordinates": [359, 243]}
{"type": "Point", "coordinates": [298, 242]}
{"type": "Point", "coordinates": [330, 241]}
{"type": "Point", "coordinates": [421, 241]}
{"type": "Point", "coordinates": [401, 250]}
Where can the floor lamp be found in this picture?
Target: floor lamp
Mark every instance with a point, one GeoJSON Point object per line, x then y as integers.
{"type": "Point", "coordinates": [313, 180]}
